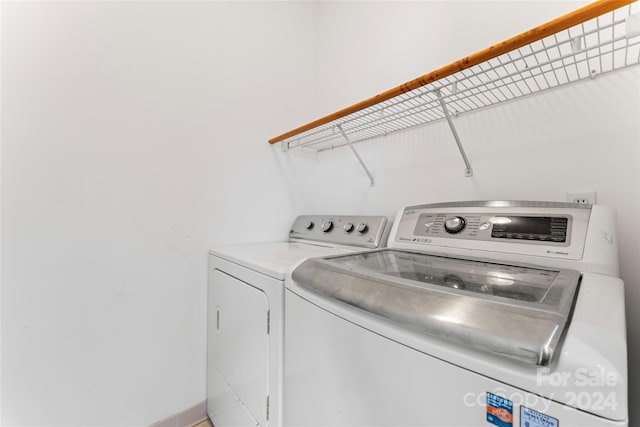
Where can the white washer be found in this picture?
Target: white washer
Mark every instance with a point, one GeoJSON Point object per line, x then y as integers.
{"type": "Point", "coordinates": [246, 309]}
{"type": "Point", "coordinates": [478, 314]}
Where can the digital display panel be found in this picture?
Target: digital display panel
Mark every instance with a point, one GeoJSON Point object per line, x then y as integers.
{"type": "Point", "coordinates": [553, 229]}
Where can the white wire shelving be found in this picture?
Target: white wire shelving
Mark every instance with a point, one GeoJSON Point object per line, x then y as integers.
{"type": "Point", "coordinates": [604, 43]}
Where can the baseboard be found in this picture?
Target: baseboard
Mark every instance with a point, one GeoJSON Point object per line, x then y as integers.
{"type": "Point", "coordinates": [186, 418]}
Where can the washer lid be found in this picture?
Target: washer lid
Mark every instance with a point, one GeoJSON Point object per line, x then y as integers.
{"type": "Point", "coordinates": [519, 311]}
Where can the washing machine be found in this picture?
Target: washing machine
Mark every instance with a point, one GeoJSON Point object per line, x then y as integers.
{"type": "Point", "coordinates": [246, 307]}
{"type": "Point", "coordinates": [477, 314]}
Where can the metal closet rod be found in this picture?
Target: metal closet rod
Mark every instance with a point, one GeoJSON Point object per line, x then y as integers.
{"type": "Point", "coordinates": [578, 16]}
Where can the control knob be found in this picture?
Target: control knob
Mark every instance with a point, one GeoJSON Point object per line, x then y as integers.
{"type": "Point", "coordinates": [362, 228]}
{"type": "Point", "coordinates": [327, 226]}
{"type": "Point", "coordinates": [348, 227]}
{"type": "Point", "coordinates": [308, 225]}
{"type": "Point", "coordinates": [455, 224]}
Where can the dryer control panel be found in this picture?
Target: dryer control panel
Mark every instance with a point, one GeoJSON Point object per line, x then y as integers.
{"type": "Point", "coordinates": [349, 230]}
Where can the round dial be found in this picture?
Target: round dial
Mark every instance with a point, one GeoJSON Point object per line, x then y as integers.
{"type": "Point", "coordinates": [348, 227]}
{"type": "Point", "coordinates": [327, 226]}
{"type": "Point", "coordinates": [362, 228]}
{"type": "Point", "coordinates": [455, 224]}
{"type": "Point", "coordinates": [308, 225]}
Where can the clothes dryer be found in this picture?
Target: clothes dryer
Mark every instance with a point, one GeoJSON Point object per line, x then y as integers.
{"type": "Point", "coordinates": [246, 309]}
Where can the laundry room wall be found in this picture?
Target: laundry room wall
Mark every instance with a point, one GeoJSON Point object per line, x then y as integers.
{"type": "Point", "coordinates": [581, 137]}
{"type": "Point", "coordinates": [133, 138]}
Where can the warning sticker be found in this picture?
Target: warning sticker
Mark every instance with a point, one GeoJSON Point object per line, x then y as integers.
{"type": "Point", "coordinates": [500, 411]}
{"type": "Point", "coordinates": [531, 418]}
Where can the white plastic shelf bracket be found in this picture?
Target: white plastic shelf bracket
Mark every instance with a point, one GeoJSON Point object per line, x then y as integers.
{"type": "Point", "coordinates": [355, 153]}
{"type": "Point", "coordinates": [468, 170]}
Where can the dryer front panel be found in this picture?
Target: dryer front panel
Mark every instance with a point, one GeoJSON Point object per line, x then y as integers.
{"type": "Point", "coordinates": [238, 343]}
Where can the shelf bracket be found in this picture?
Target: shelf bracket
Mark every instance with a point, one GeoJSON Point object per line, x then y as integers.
{"type": "Point", "coordinates": [355, 153]}
{"type": "Point", "coordinates": [468, 170]}
{"type": "Point", "coordinates": [576, 44]}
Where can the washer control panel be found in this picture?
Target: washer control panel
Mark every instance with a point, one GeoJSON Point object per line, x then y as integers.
{"type": "Point", "coordinates": [552, 229]}
{"type": "Point", "coordinates": [348, 230]}
{"type": "Point", "coordinates": [529, 228]}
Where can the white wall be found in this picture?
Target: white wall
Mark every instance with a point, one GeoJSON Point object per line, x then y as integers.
{"type": "Point", "coordinates": [582, 137]}
{"type": "Point", "coordinates": [366, 47]}
{"type": "Point", "coordinates": [133, 139]}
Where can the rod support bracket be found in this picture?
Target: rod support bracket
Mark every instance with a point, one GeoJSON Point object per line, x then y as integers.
{"type": "Point", "coordinates": [577, 44]}
{"type": "Point", "coordinates": [355, 153]}
{"type": "Point", "coordinates": [468, 172]}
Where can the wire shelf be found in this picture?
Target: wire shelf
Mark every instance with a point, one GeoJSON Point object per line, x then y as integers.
{"type": "Point", "coordinates": [608, 42]}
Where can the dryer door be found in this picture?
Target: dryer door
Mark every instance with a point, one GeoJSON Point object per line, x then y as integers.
{"type": "Point", "coordinates": [238, 341]}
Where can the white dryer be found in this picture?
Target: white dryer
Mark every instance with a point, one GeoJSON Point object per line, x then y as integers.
{"type": "Point", "coordinates": [246, 309]}
{"type": "Point", "coordinates": [479, 314]}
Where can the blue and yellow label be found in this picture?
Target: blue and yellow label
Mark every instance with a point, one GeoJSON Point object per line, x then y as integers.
{"type": "Point", "coordinates": [499, 410]}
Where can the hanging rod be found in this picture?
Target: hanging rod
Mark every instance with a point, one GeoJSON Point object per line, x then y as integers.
{"type": "Point", "coordinates": [489, 76]}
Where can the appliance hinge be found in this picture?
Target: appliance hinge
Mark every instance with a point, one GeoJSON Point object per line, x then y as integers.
{"type": "Point", "coordinates": [268, 322]}
{"type": "Point", "coordinates": [267, 408]}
